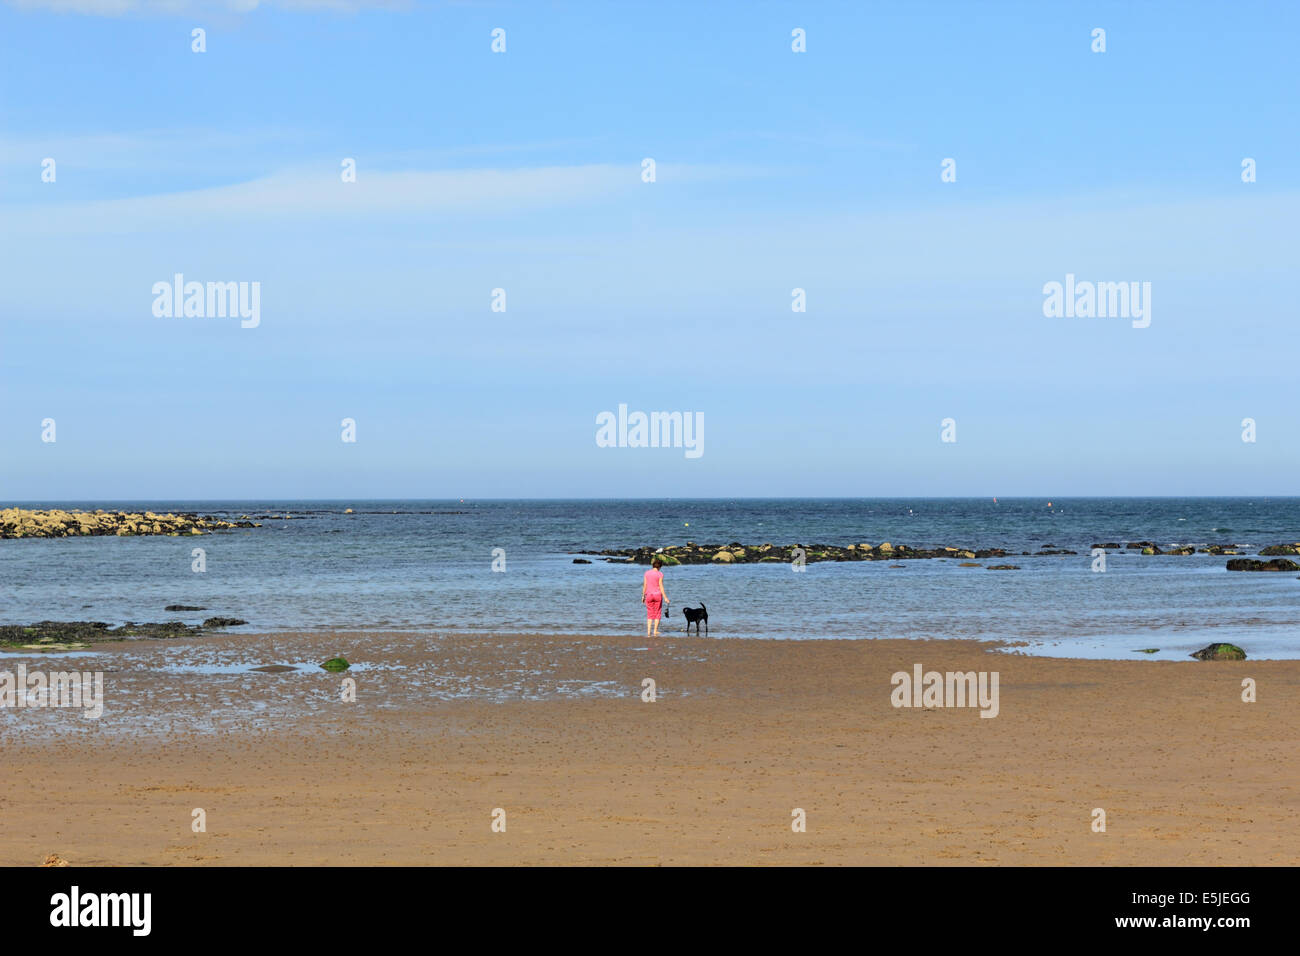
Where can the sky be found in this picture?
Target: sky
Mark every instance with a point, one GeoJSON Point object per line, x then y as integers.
{"type": "Point", "coordinates": [522, 170]}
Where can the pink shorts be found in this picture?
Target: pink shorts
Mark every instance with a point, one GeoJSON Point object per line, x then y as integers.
{"type": "Point", "coordinates": [653, 602]}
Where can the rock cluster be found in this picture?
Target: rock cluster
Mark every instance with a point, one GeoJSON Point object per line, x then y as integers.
{"type": "Point", "coordinates": [737, 553]}
{"type": "Point", "coordinates": [1277, 564]}
{"type": "Point", "coordinates": [22, 523]}
{"type": "Point", "coordinates": [74, 635]}
{"type": "Point", "coordinates": [1150, 547]}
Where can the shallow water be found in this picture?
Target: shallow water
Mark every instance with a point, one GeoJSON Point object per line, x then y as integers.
{"type": "Point", "coordinates": [423, 565]}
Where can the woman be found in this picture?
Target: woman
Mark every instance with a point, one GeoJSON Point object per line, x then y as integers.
{"type": "Point", "coordinates": [653, 596]}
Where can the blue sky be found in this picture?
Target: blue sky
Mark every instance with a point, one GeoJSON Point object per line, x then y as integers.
{"type": "Point", "coordinates": [521, 170]}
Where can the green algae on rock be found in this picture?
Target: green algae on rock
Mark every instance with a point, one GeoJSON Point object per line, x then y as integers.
{"type": "Point", "coordinates": [74, 635]}
{"type": "Point", "coordinates": [1219, 652]}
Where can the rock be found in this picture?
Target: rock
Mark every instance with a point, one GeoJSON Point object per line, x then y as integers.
{"type": "Point", "coordinates": [56, 523]}
{"type": "Point", "coordinates": [1219, 549]}
{"type": "Point", "coordinates": [710, 553]}
{"type": "Point", "coordinates": [183, 607]}
{"type": "Point", "coordinates": [1147, 650]}
{"type": "Point", "coordinates": [275, 669]}
{"type": "Point", "coordinates": [1150, 551]}
{"type": "Point", "coordinates": [1219, 652]}
{"type": "Point", "coordinates": [1004, 567]}
{"type": "Point", "coordinates": [1277, 564]}
{"type": "Point", "coordinates": [223, 622]}
{"type": "Point", "coordinates": [969, 564]}
{"type": "Point", "coordinates": [71, 635]}
{"type": "Point", "coordinates": [336, 664]}
{"type": "Point", "coordinates": [581, 561]}
{"type": "Point", "coordinates": [1274, 549]}
{"type": "Point", "coordinates": [55, 860]}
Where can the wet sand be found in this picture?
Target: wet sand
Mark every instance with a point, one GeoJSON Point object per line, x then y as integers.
{"type": "Point", "coordinates": [554, 731]}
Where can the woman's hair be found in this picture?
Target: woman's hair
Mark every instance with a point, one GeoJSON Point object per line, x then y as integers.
{"type": "Point", "coordinates": [656, 563]}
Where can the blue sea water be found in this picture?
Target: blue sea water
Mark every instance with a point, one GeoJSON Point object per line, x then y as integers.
{"type": "Point", "coordinates": [426, 565]}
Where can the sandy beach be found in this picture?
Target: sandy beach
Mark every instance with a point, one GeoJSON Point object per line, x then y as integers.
{"type": "Point", "coordinates": [742, 732]}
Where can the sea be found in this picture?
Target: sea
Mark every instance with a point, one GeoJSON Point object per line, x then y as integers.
{"type": "Point", "coordinates": [504, 566]}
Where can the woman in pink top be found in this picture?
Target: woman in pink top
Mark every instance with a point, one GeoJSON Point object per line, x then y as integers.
{"type": "Point", "coordinates": [653, 596]}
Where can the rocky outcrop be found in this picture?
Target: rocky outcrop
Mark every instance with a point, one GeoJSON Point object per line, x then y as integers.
{"type": "Point", "coordinates": [1219, 652]}
{"type": "Point", "coordinates": [22, 523]}
{"type": "Point", "coordinates": [1275, 549]}
{"type": "Point", "coordinates": [737, 553]}
{"type": "Point", "coordinates": [1220, 549]}
{"type": "Point", "coordinates": [71, 635]}
{"type": "Point", "coordinates": [1277, 564]}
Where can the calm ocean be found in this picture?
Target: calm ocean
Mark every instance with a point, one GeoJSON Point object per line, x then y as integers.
{"type": "Point", "coordinates": [396, 565]}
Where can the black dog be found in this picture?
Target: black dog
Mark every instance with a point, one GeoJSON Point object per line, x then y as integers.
{"type": "Point", "coordinates": [693, 615]}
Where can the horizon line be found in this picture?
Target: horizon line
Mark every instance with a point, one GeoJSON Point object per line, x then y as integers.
{"type": "Point", "coordinates": [272, 498]}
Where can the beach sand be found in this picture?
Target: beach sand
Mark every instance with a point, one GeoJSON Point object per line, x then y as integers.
{"type": "Point", "coordinates": [554, 731]}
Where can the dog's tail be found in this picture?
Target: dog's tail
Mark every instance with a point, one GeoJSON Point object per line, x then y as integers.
{"type": "Point", "coordinates": [706, 610]}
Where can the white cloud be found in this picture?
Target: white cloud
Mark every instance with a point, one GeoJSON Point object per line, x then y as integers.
{"type": "Point", "coordinates": [302, 194]}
